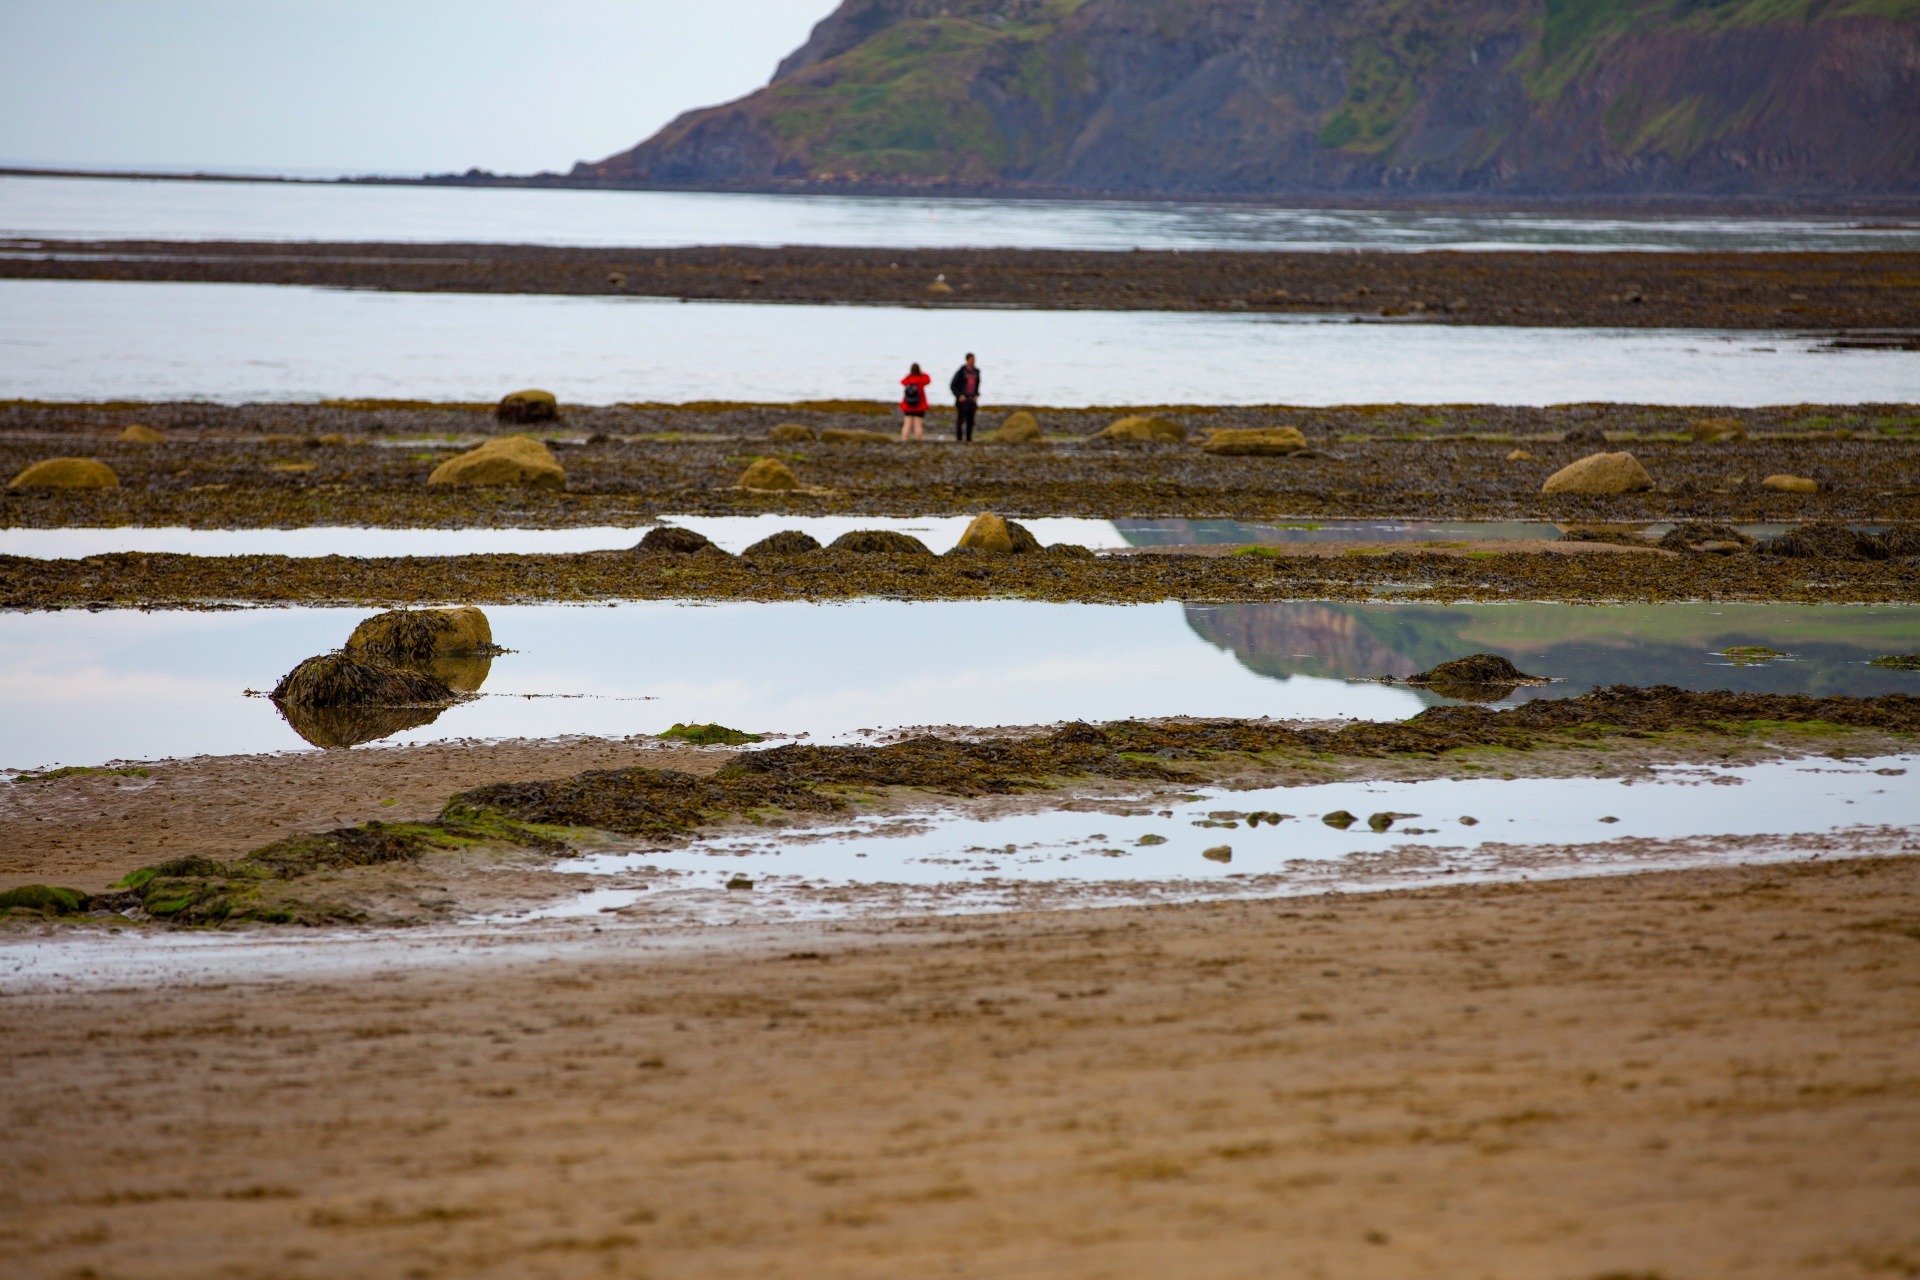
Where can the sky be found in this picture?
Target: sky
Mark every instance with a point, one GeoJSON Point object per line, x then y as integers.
{"type": "Point", "coordinates": [317, 87]}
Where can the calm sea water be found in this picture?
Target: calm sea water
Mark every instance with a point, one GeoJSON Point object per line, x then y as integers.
{"type": "Point", "coordinates": [113, 209]}
{"type": "Point", "coordinates": [93, 340]}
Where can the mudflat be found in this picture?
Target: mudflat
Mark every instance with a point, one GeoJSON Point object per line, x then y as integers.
{"type": "Point", "coordinates": [1683, 1075]}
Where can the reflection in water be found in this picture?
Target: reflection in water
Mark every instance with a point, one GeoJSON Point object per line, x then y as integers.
{"type": "Point", "coordinates": [336, 728]}
{"type": "Point", "coordinates": [1679, 644]}
{"type": "Point", "coordinates": [1190, 533]}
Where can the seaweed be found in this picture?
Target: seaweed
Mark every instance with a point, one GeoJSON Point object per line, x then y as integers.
{"type": "Point", "coordinates": [709, 735]}
{"type": "Point", "coordinates": [672, 540]}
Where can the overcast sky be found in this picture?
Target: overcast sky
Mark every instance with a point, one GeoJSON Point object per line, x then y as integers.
{"type": "Point", "coordinates": [371, 86]}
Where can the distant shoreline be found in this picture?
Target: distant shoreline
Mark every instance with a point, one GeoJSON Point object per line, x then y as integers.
{"type": "Point", "coordinates": [1586, 204]}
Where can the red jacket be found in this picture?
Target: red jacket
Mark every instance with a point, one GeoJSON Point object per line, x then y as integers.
{"type": "Point", "coordinates": [919, 380]}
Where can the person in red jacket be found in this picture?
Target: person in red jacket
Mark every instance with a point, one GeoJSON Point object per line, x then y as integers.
{"type": "Point", "coordinates": [913, 404]}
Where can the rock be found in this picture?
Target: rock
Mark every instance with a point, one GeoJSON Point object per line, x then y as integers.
{"type": "Point", "coordinates": [848, 435]}
{"type": "Point", "coordinates": [1600, 473]}
{"type": "Point", "coordinates": [880, 542]}
{"type": "Point", "coordinates": [1019, 427]}
{"type": "Point", "coordinates": [1265, 442]}
{"type": "Point", "coordinates": [341, 680]}
{"type": "Point", "coordinates": [527, 406]}
{"type": "Point", "coordinates": [1219, 853]}
{"type": "Point", "coordinates": [1150, 840]}
{"type": "Point", "coordinates": [787, 542]}
{"type": "Point", "coordinates": [788, 432]}
{"type": "Point", "coordinates": [1745, 654]}
{"type": "Point", "coordinates": [740, 884]}
{"type": "Point", "coordinates": [1521, 455]}
{"type": "Point", "coordinates": [139, 433]}
{"type": "Point", "coordinates": [1588, 434]}
{"type": "Point", "coordinates": [1069, 551]}
{"type": "Point", "coordinates": [1898, 662]}
{"type": "Point", "coordinates": [1791, 484]}
{"type": "Point", "coordinates": [711, 735]}
{"type": "Point", "coordinates": [67, 473]}
{"type": "Point", "coordinates": [1901, 540]}
{"type": "Point", "coordinates": [1481, 677]}
{"type": "Point", "coordinates": [1619, 537]}
{"type": "Point", "coordinates": [46, 899]}
{"type": "Point", "coordinates": [1710, 430]}
{"type": "Point", "coordinates": [1339, 819]}
{"type": "Point", "coordinates": [669, 539]}
{"type": "Point", "coordinates": [412, 637]}
{"type": "Point", "coordinates": [503, 460]}
{"type": "Point", "coordinates": [1720, 539]}
{"type": "Point", "coordinates": [1822, 541]}
{"type": "Point", "coordinates": [940, 288]}
{"type": "Point", "coordinates": [1143, 427]}
{"type": "Point", "coordinates": [1381, 821]}
{"type": "Point", "coordinates": [769, 474]}
{"type": "Point", "coordinates": [989, 532]}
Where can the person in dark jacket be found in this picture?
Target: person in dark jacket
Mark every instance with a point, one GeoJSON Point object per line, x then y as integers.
{"type": "Point", "coordinates": [966, 398]}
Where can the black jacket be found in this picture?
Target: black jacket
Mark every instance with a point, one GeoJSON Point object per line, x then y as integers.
{"type": "Point", "coordinates": [959, 384]}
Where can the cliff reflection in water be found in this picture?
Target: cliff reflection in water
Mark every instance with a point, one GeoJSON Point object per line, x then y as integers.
{"type": "Point", "coordinates": [1827, 647]}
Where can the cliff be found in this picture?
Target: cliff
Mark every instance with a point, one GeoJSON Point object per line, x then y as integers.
{"type": "Point", "coordinates": [1249, 97]}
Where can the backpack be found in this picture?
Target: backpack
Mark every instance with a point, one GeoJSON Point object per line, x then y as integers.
{"type": "Point", "coordinates": [914, 398]}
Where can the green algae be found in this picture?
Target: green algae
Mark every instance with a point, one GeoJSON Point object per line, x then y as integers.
{"type": "Point", "coordinates": [711, 735]}
{"type": "Point", "coordinates": [45, 900]}
{"type": "Point", "coordinates": [1899, 662]}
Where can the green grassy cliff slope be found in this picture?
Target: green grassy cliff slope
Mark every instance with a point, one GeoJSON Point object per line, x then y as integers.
{"type": "Point", "coordinates": [1256, 96]}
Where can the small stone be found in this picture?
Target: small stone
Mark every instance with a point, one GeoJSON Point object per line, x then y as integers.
{"type": "Point", "coordinates": [1340, 818]}
{"type": "Point", "coordinates": [1151, 840]}
{"type": "Point", "coordinates": [1469, 822]}
{"type": "Point", "coordinates": [769, 475]}
{"type": "Point", "coordinates": [1600, 473]}
{"type": "Point", "coordinates": [1219, 853]}
{"type": "Point", "coordinates": [1791, 484]}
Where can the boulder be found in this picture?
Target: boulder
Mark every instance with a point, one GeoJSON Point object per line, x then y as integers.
{"type": "Point", "coordinates": [1824, 542]}
{"type": "Point", "coordinates": [989, 532]}
{"type": "Point", "coordinates": [1695, 536]}
{"type": "Point", "coordinates": [1143, 427]}
{"type": "Point", "coordinates": [67, 473]}
{"type": "Point", "coordinates": [1219, 853]}
{"type": "Point", "coordinates": [1480, 677]}
{"type": "Point", "coordinates": [1791, 484]}
{"type": "Point", "coordinates": [768, 475]}
{"type": "Point", "coordinates": [1339, 819]}
{"type": "Point", "coordinates": [787, 542]}
{"type": "Point", "coordinates": [140, 433]}
{"type": "Point", "coordinates": [1711, 430]}
{"type": "Point", "coordinates": [1600, 473]}
{"type": "Point", "coordinates": [414, 637]}
{"type": "Point", "coordinates": [671, 540]}
{"type": "Point", "coordinates": [341, 680]}
{"type": "Point", "coordinates": [848, 435]}
{"type": "Point", "coordinates": [1017, 428]}
{"type": "Point", "coordinates": [790, 433]}
{"type": "Point", "coordinates": [46, 899]}
{"type": "Point", "coordinates": [503, 460]}
{"type": "Point", "coordinates": [880, 542]}
{"type": "Point", "coordinates": [527, 406]}
{"type": "Point", "coordinates": [1265, 442]}
{"type": "Point", "coordinates": [1069, 551]}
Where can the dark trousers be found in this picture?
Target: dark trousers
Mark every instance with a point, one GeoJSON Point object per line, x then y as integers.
{"type": "Point", "coordinates": [963, 412]}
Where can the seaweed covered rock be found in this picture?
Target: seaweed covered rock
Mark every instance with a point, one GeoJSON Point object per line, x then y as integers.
{"type": "Point", "coordinates": [1019, 427]}
{"type": "Point", "coordinates": [411, 637]}
{"type": "Point", "coordinates": [45, 900]}
{"type": "Point", "coordinates": [338, 728]}
{"type": "Point", "coordinates": [1719, 539]}
{"type": "Point", "coordinates": [989, 532]}
{"type": "Point", "coordinates": [1480, 677]}
{"type": "Point", "coordinates": [1898, 662]}
{"type": "Point", "coordinates": [1263, 442]}
{"type": "Point", "coordinates": [769, 475]}
{"type": "Point", "coordinates": [883, 542]}
{"type": "Point", "coordinates": [1790, 484]}
{"type": "Point", "coordinates": [1901, 541]}
{"type": "Point", "coordinates": [140, 433]}
{"type": "Point", "coordinates": [791, 433]}
{"type": "Point", "coordinates": [711, 735]}
{"type": "Point", "coordinates": [1069, 551]}
{"type": "Point", "coordinates": [1823, 541]}
{"type": "Point", "coordinates": [852, 435]}
{"type": "Point", "coordinates": [787, 542]}
{"type": "Point", "coordinates": [342, 680]}
{"type": "Point", "coordinates": [1588, 435]}
{"type": "Point", "coordinates": [1715, 430]}
{"type": "Point", "coordinates": [672, 540]}
{"type": "Point", "coordinates": [503, 460]}
{"type": "Point", "coordinates": [1139, 428]}
{"type": "Point", "coordinates": [67, 473]}
{"type": "Point", "coordinates": [1600, 473]}
{"type": "Point", "coordinates": [527, 406]}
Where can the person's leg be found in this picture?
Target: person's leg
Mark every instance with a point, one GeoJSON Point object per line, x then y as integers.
{"type": "Point", "coordinates": [906, 425]}
{"type": "Point", "coordinates": [973, 408]}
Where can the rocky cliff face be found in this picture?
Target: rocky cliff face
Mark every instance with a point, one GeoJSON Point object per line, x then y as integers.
{"type": "Point", "coordinates": [1722, 97]}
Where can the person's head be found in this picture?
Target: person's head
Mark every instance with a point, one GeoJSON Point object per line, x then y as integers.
{"type": "Point", "coordinates": [969, 359]}
{"type": "Point", "coordinates": [915, 369]}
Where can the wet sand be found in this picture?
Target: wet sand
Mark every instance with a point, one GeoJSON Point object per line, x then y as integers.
{"type": "Point", "coordinates": [1699, 1074]}
{"type": "Point", "coordinates": [1817, 291]}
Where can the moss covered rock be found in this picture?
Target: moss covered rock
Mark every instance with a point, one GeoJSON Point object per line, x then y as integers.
{"type": "Point", "coordinates": [46, 899]}
{"type": "Point", "coordinates": [768, 475]}
{"type": "Point", "coordinates": [139, 433]}
{"type": "Point", "coordinates": [341, 680]}
{"type": "Point", "coordinates": [527, 406]}
{"type": "Point", "coordinates": [670, 539]}
{"type": "Point", "coordinates": [1017, 428]}
{"type": "Point", "coordinates": [791, 433]}
{"type": "Point", "coordinates": [1143, 427]}
{"type": "Point", "coordinates": [1712, 430]}
{"type": "Point", "coordinates": [1264, 442]}
{"type": "Point", "coordinates": [410, 637]}
{"type": "Point", "coordinates": [504, 460]}
{"type": "Point", "coordinates": [880, 542]}
{"type": "Point", "coordinates": [67, 473]}
{"type": "Point", "coordinates": [1791, 484]}
{"type": "Point", "coordinates": [787, 542]}
{"type": "Point", "coordinates": [1600, 473]}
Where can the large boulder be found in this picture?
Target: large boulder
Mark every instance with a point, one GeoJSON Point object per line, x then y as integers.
{"type": "Point", "coordinates": [67, 473]}
{"type": "Point", "coordinates": [140, 433]}
{"type": "Point", "coordinates": [1143, 427]}
{"type": "Point", "coordinates": [672, 540]}
{"type": "Point", "coordinates": [527, 406]}
{"type": "Point", "coordinates": [848, 435]}
{"type": "Point", "coordinates": [989, 532]}
{"type": "Point", "coordinates": [769, 475]}
{"type": "Point", "coordinates": [503, 460]}
{"type": "Point", "coordinates": [1019, 427]}
{"type": "Point", "coordinates": [787, 542]}
{"type": "Point", "coordinates": [413, 637]}
{"type": "Point", "coordinates": [880, 542]}
{"type": "Point", "coordinates": [791, 433]}
{"type": "Point", "coordinates": [1262, 442]}
{"type": "Point", "coordinates": [1600, 473]}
